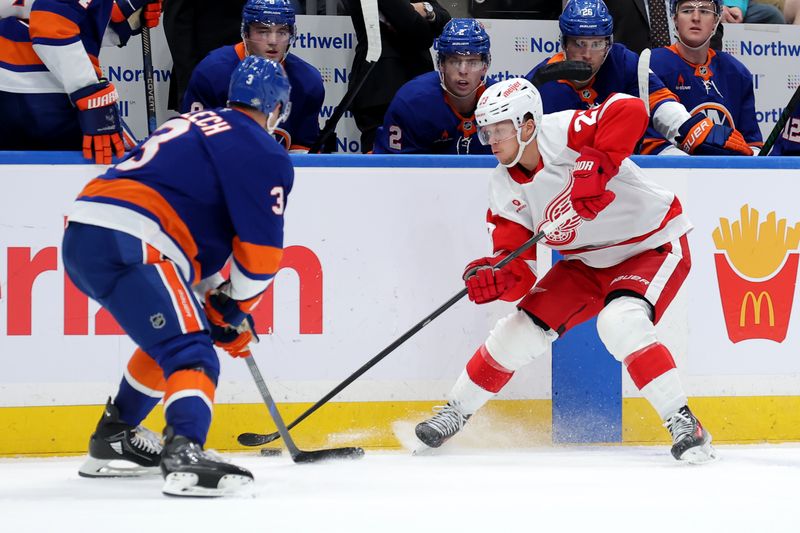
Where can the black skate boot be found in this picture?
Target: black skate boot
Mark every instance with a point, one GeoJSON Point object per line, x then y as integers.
{"type": "Point", "coordinates": [437, 430]}
{"type": "Point", "coordinates": [114, 440]}
{"type": "Point", "coordinates": [189, 470]}
{"type": "Point", "coordinates": [690, 441]}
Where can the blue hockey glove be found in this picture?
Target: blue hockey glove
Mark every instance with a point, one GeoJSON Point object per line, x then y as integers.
{"type": "Point", "coordinates": [700, 136]}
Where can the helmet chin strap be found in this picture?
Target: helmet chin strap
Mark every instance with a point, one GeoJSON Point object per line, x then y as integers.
{"type": "Point", "coordinates": [451, 93]}
{"type": "Point", "coordinates": [271, 120]}
{"type": "Point", "coordinates": [522, 145]}
{"type": "Point", "coordinates": [693, 48]}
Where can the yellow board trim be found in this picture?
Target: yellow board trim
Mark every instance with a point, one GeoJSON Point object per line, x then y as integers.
{"type": "Point", "coordinates": [65, 430]}
{"type": "Point", "coordinates": [730, 419]}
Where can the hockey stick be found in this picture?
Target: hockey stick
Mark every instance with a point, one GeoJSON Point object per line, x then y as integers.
{"type": "Point", "coordinates": [258, 439]}
{"type": "Point", "coordinates": [562, 70]}
{"type": "Point", "coordinates": [788, 111]}
{"type": "Point", "coordinates": [643, 74]}
{"type": "Point", "coordinates": [298, 455]}
{"type": "Point", "coordinates": [149, 84]}
{"type": "Point", "coordinates": [369, 10]}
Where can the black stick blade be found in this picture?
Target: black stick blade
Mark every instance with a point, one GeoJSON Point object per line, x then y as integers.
{"type": "Point", "coordinates": [328, 455]}
{"type": "Point", "coordinates": [562, 70]}
{"type": "Point", "coordinates": [257, 439]}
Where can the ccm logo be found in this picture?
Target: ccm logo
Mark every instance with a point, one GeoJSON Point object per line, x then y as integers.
{"type": "Point", "coordinates": [584, 165]}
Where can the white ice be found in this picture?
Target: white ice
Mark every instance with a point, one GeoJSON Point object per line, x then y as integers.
{"type": "Point", "coordinates": [752, 488]}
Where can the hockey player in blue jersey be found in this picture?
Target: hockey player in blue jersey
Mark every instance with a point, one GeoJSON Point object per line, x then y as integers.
{"type": "Point", "coordinates": [52, 92]}
{"type": "Point", "coordinates": [705, 81]}
{"type": "Point", "coordinates": [435, 113]}
{"type": "Point", "coordinates": [788, 142]}
{"type": "Point", "coordinates": [587, 35]}
{"type": "Point", "coordinates": [203, 188]}
{"type": "Point", "coordinates": [268, 30]}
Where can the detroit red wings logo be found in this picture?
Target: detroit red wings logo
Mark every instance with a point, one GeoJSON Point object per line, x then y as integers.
{"type": "Point", "coordinates": [554, 209]}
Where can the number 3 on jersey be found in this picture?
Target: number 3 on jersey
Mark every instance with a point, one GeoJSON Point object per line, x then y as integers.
{"type": "Point", "coordinates": [277, 192]}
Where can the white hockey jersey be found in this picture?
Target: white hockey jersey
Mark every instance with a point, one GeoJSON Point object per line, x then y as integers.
{"type": "Point", "coordinates": [642, 217]}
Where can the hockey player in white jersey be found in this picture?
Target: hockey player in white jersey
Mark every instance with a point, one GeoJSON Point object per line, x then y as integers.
{"type": "Point", "coordinates": [625, 249]}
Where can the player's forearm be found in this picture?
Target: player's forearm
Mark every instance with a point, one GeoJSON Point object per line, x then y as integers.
{"type": "Point", "coordinates": [668, 118]}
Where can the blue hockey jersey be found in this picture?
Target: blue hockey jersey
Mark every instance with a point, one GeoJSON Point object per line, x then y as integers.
{"type": "Point", "coordinates": [721, 88]}
{"type": "Point", "coordinates": [618, 74]}
{"type": "Point", "coordinates": [208, 87]}
{"type": "Point", "coordinates": [788, 142]}
{"type": "Point", "coordinates": [50, 53]}
{"type": "Point", "coordinates": [421, 120]}
{"type": "Point", "coordinates": [203, 187]}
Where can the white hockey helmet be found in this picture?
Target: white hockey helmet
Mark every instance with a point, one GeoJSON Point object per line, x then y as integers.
{"type": "Point", "coordinates": [515, 99]}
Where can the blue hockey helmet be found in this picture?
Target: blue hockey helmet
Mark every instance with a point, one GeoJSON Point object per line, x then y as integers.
{"type": "Point", "coordinates": [463, 36]}
{"type": "Point", "coordinates": [586, 18]}
{"type": "Point", "coordinates": [279, 12]}
{"type": "Point", "coordinates": [260, 84]}
{"type": "Point", "coordinates": [673, 6]}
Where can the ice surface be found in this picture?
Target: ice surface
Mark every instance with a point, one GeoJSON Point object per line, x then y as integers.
{"type": "Point", "coordinates": [549, 489]}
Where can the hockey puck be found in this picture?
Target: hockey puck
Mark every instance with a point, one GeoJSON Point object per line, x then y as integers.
{"type": "Point", "coordinates": [271, 452]}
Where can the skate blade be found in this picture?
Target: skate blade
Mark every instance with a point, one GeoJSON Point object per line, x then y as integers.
{"type": "Point", "coordinates": [404, 432]}
{"type": "Point", "coordinates": [185, 484]}
{"type": "Point", "coordinates": [96, 468]}
{"type": "Point", "coordinates": [700, 455]}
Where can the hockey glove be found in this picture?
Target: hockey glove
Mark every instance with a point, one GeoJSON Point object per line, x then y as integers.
{"type": "Point", "coordinates": [486, 284]}
{"type": "Point", "coordinates": [98, 116]}
{"type": "Point", "coordinates": [137, 13]}
{"type": "Point", "coordinates": [700, 136]}
{"type": "Point", "coordinates": [235, 341]}
{"type": "Point", "coordinates": [593, 170]}
{"type": "Point", "coordinates": [224, 311]}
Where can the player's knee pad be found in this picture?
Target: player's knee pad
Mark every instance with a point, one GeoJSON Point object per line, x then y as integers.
{"type": "Point", "coordinates": [193, 350]}
{"type": "Point", "coordinates": [516, 340]}
{"type": "Point", "coordinates": [625, 326]}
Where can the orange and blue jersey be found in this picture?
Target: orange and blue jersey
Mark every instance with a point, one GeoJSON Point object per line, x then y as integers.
{"type": "Point", "coordinates": [205, 187]}
{"type": "Point", "coordinates": [56, 49]}
{"type": "Point", "coordinates": [421, 120]}
{"type": "Point", "coordinates": [617, 74]}
{"type": "Point", "coordinates": [208, 87]}
{"type": "Point", "coordinates": [721, 88]}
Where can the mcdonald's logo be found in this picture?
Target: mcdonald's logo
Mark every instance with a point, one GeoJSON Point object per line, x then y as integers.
{"type": "Point", "coordinates": [751, 296]}
{"type": "Point", "coordinates": [756, 309]}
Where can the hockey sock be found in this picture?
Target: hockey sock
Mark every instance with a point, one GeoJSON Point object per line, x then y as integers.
{"type": "Point", "coordinates": [482, 378]}
{"type": "Point", "coordinates": [188, 402]}
{"type": "Point", "coordinates": [141, 388]}
{"type": "Point", "coordinates": [654, 374]}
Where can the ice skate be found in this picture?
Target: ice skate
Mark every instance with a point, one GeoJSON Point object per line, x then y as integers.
{"type": "Point", "coordinates": [189, 470]}
{"type": "Point", "coordinates": [437, 430]}
{"type": "Point", "coordinates": [117, 449]}
{"type": "Point", "coordinates": [690, 441]}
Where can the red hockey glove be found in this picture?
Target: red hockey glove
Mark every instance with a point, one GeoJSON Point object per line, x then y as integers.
{"type": "Point", "coordinates": [486, 284]}
{"type": "Point", "coordinates": [593, 170]}
{"type": "Point", "coordinates": [235, 341]}
{"type": "Point", "coordinates": [98, 116]}
{"type": "Point", "coordinates": [700, 136]}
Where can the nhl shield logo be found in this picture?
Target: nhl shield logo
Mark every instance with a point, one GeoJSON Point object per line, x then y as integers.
{"type": "Point", "coordinates": [158, 321]}
{"type": "Point", "coordinates": [703, 70]}
{"type": "Point", "coordinates": [587, 93]}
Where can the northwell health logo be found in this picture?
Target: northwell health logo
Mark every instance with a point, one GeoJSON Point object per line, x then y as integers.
{"type": "Point", "coordinates": [756, 272]}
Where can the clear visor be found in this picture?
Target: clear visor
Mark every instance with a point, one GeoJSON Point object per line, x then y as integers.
{"type": "Point", "coordinates": [592, 45]}
{"type": "Point", "coordinates": [497, 132]}
{"type": "Point", "coordinates": [704, 9]}
{"type": "Point", "coordinates": [461, 64]}
{"type": "Point", "coordinates": [265, 33]}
